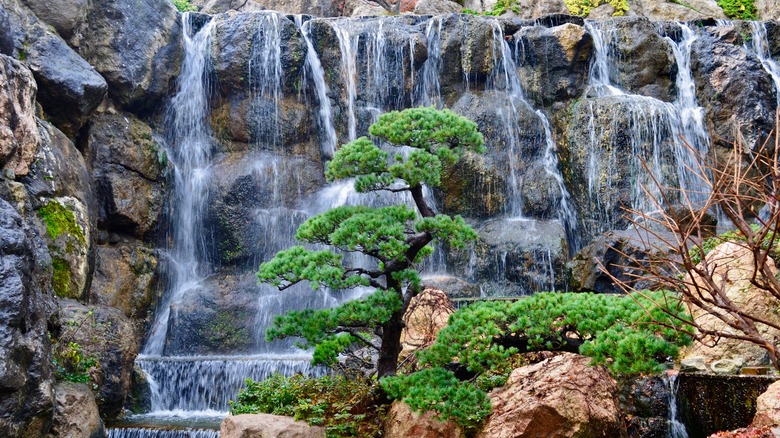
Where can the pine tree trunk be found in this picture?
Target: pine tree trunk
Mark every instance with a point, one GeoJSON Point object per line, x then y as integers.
{"type": "Point", "coordinates": [391, 344]}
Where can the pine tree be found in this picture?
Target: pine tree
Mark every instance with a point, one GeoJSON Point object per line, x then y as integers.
{"type": "Point", "coordinates": [395, 238]}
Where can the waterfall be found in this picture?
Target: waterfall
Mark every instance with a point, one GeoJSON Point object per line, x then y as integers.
{"type": "Point", "coordinates": [505, 75]}
{"type": "Point", "coordinates": [653, 133]}
{"type": "Point", "coordinates": [202, 386]}
{"type": "Point", "coordinates": [325, 112]}
{"type": "Point", "coordinates": [759, 45]}
{"type": "Point", "coordinates": [190, 153]}
{"type": "Point", "coordinates": [348, 45]}
{"type": "Point", "coordinates": [136, 432]}
{"type": "Point", "coordinates": [689, 123]}
{"type": "Point", "coordinates": [676, 428]}
{"type": "Point", "coordinates": [265, 77]}
{"type": "Point", "coordinates": [428, 91]}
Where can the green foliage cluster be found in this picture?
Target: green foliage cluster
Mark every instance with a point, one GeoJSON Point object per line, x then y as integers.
{"type": "Point", "coordinates": [733, 236]}
{"type": "Point", "coordinates": [739, 9]}
{"type": "Point", "coordinates": [59, 220]}
{"type": "Point", "coordinates": [344, 407]}
{"type": "Point", "coordinates": [319, 328]}
{"type": "Point", "coordinates": [628, 334]}
{"type": "Point", "coordinates": [436, 389]}
{"type": "Point", "coordinates": [184, 6]}
{"type": "Point", "coordinates": [71, 364]}
{"type": "Point", "coordinates": [583, 7]}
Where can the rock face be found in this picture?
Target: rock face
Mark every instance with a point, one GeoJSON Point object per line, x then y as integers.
{"type": "Point", "coordinates": [403, 422]}
{"type": "Point", "coordinates": [427, 314]}
{"type": "Point", "coordinates": [105, 333]}
{"type": "Point", "coordinates": [644, 402]}
{"type": "Point", "coordinates": [130, 172]}
{"type": "Point", "coordinates": [267, 426]}
{"type": "Point", "coordinates": [768, 407]}
{"type": "Point", "coordinates": [69, 89]}
{"type": "Point", "coordinates": [748, 109]}
{"type": "Point", "coordinates": [558, 397]}
{"type": "Point", "coordinates": [19, 139]}
{"type": "Point", "coordinates": [566, 51]}
{"type": "Point", "coordinates": [60, 187]}
{"type": "Point", "coordinates": [135, 46]}
{"type": "Point", "coordinates": [126, 277]}
{"type": "Point", "coordinates": [734, 264]}
{"type": "Point", "coordinates": [520, 257]}
{"type": "Point", "coordinates": [75, 412]}
{"type": "Point", "coordinates": [26, 306]}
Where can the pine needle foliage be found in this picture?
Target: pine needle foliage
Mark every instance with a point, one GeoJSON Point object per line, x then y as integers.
{"type": "Point", "coordinates": [628, 334]}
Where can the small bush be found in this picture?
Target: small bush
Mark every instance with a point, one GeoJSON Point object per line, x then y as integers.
{"type": "Point", "coordinates": [184, 6]}
{"type": "Point", "coordinates": [739, 9]}
{"type": "Point", "coordinates": [344, 407]}
{"type": "Point", "coordinates": [438, 390]}
{"type": "Point", "coordinates": [71, 364]}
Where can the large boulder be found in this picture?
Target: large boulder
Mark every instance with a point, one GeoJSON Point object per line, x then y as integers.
{"type": "Point", "coordinates": [108, 335]}
{"type": "Point", "coordinates": [670, 11]}
{"type": "Point", "coordinates": [130, 170]}
{"type": "Point", "coordinates": [69, 89]}
{"type": "Point", "coordinates": [26, 306]}
{"type": "Point", "coordinates": [559, 397]}
{"type": "Point", "coordinates": [621, 253]}
{"type": "Point", "coordinates": [403, 422]}
{"type": "Point", "coordinates": [19, 139]}
{"type": "Point", "coordinates": [136, 46]}
{"type": "Point", "coordinates": [737, 94]}
{"type": "Point", "coordinates": [126, 277]}
{"type": "Point", "coordinates": [732, 264]}
{"type": "Point", "coordinates": [554, 62]}
{"type": "Point", "coordinates": [267, 426]}
{"type": "Point", "coordinates": [63, 15]}
{"type": "Point", "coordinates": [768, 407]}
{"type": "Point", "coordinates": [328, 8]}
{"type": "Point", "coordinates": [768, 9]}
{"type": "Point", "coordinates": [526, 9]}
{"type": "Point", "coordinates": [427, 313]}
{"type": "Point", "coordinates": [643, 62]}
{"type": "Point", "coordinates": [436, 7]}
{"type": "Point", "coordinates": [60, 188]}
{"type": "Point", "coordinates": [75, 412]}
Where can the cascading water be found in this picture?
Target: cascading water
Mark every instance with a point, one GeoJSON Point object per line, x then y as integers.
{"type": "Point", "coordinates": [759, 45]}
{"type": "Point", "coordinates": [653, 132]}
{"type": "Point", "coordinates": [348, 44]}
{"type": "Point", "coordinates": [505, 75]}
{"type": "Point", "coordinates": [265, 77]}
{"type": "Point", "coordinates": [190, 153]}
{"type": "Point", "coordinates": [428, 90]}
{"type": "Point", "coordinates": [314, 66]}
{"type": "Point", "coordinates": [136, 432]}
{"type": "Point", "coordinates": [676, 429]}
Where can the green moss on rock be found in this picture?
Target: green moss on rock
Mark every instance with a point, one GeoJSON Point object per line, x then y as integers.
{"type": "Point", "coordinates": [61, 278]}
{"type": "Point", "coordinates": [59, 220]}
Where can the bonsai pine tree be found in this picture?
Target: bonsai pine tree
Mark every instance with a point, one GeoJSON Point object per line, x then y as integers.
{"type": "Point", "coordinates": [396, 239]}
